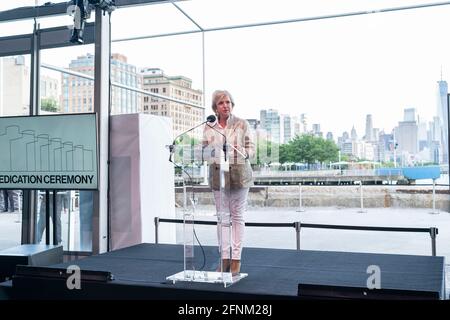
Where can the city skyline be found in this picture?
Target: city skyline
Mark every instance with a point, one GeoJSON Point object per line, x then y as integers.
{"type": "Point", "coordinates": [358, 122]}
{"type": "Point", "coordinates": [334, 70]}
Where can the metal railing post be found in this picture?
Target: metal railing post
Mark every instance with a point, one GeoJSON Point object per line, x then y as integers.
{"type": "Point", "coordinates": [184, 197]}
{"type": "Point", "coordinates": [434, 197]}
{"type": "Point", "coordinates": [298, 226]}
{"type": "Point", "coordinates": [361, 198]}
{"type": "Point", "coordinates": [300, 209]}
{"type": "Point", "coordinates": [433, 233]}
{"type": "Point", "coordinates": [156, 229]}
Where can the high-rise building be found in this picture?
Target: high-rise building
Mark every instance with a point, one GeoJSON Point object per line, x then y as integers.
{"type": "Point", "coordinates": [442, 107]}
{"type": "Point", "coordinates": [286, 128]}
{"type": "Point", "coordinates": [422, 136]}
{"type": "Point", "coordinates": [409, 114]}
{"type": "Point", "coordinates": [184, 116]}
{"type": "Point", "coordinates": [330, 136]}
{"type": "Point", "coordinates": [78, 93]}
{"type": "Point", "coordinates": [14, 86]}
{"type": "Point", "coordinates": [304, 123]}
{"type": "Point", "coordinates": [316, 128]}
{"type": "Point", "coordinates": [353, 134]}
{"type": "Point", "coordinates": [270, 121]}
{"type": "Point", "coordinates": [406, 136]}
{"type": "Point", "coordinates": [297, 126]}
{"type": "Point", "coordinates": [386, 147]}
{"type": "Point", "coordinates": [345, 135]}
{"type": "Point", "coordinates": [433, 139]}
{"type": "Point", "coordinates": [369, 128]}
{"type": "Point", "coordinates": [375, 134]}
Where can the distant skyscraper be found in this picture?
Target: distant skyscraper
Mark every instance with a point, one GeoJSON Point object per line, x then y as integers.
{"type": "Point", "coordinates": [330, 136]}
{"type": "Point", "coordinates": [297, 126]}
{"type": "Point", "coordinates": [369, 128]}
{"type": "Point", "coordinates": [376, 134]}
{"type": "Point", "coordinates": [422, 135]}
{"type": "Point", "coordinates": [353, 134]}
{"type": "Point", "coordinates": [286, 128]}
{"type": "Point", "coordinates": [345, 135]}
{"type": "Point", "coordinates": [304, 122]}
{"type": "Point", "coordinates": [406, 136]}
{"type": "Point", "coordinates": [409, 114]}
{"type": "Point", "coordinates": [434, 138]}
{"type": "Point", "coordinates": [270, 121]}
{"type": "Point", "coordinates": [442, 107]}
{"type": "Point", "coordinates": [316, 129]}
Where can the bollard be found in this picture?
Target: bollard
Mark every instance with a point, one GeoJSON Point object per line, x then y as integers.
{"type": "Point", "coordinates": [300, 209]}
{"type": "Point", "coordinates": [361, 198]}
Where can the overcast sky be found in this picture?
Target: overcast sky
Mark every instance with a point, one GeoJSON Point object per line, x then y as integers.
{"type": "Point", "coordinates": [335, 70]}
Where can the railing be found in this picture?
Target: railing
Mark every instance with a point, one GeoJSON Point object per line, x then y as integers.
{"type": "Point", "coordinates": [297, 225]}
{"type": "Point", "coordinates": [269, 177]}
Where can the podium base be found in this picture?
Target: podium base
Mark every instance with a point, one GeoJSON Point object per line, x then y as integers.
{"type": "Point", "coordinates": [226, 278]}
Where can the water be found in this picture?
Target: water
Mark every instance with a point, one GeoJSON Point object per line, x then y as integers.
{"type": "Point", "coordinates": [443, 179]}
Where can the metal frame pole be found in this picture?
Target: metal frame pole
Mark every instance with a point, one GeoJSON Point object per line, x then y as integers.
{"type": "Point", "coordinates": [434, 197]}
{"type": "Point", "coordinates": [433, 233]}
{"type": "Point", "coordinates": [361, 198]}
{"type": "Point", "coordinates": [298, 227]}
{"type": "Point", "coordinates": [156, 230]}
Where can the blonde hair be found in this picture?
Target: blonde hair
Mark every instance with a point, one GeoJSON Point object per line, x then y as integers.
{"type": "Point", "coordinates": [219, 94]}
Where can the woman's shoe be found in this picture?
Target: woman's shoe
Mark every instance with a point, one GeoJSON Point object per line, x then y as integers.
{"type": "Point", "coordinates": [235, 266]}
{"type": "Point", "coordinates": [225, 265]}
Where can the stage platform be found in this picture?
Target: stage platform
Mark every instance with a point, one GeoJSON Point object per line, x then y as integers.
{"type": "Point", "coordinates": [139, 272]}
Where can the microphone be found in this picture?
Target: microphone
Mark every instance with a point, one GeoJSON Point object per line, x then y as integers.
{"type": "Point", "coordinates": [211, 118]}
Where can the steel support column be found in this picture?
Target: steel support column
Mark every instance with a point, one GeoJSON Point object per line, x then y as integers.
{"type": "Point", "coordinates": [101, 107]}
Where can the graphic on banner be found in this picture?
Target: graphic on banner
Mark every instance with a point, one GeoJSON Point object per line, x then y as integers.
{"type": "Point", "coordinates": [48, 152]}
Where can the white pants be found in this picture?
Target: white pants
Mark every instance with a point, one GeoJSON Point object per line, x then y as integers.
{"type": "Point", "coordinates": [231, 203]}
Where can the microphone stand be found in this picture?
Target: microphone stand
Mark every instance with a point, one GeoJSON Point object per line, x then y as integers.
{"type": "Point", "coordinates": [188, 257]}
{"type": "Point", "coordinates": [172, 146]}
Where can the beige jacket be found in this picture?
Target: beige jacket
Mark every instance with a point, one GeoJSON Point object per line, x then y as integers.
{"type": "Point", "coordinates": [239, 135]}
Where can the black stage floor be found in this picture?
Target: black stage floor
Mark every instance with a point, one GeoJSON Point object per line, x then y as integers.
{"type": "Point", "coordinates": [140, 273]}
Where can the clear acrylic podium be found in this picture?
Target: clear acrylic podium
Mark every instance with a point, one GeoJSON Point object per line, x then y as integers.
{"type": "Point", "coordinates": [191, 156]}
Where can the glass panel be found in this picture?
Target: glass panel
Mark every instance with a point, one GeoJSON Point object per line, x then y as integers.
{"type": "Point", "coordinates": [154, 69]}
{"type": "Point", "coordinates": [14, 101]}
{"type": "Point", "coordinates": [73, 219]}
{"type": "Point", "coordinates": [62, 20]}
{"type": "Point", "coordinates": [153, 19]}
{"type": "Point", "coordinates": [8, 5]}
{"type": "Point", "coordinates": [219, 13]}
{"type": "Point", "coordinates": [16, 28]}
{"type": "Point", "coordinates": [64, 93]}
